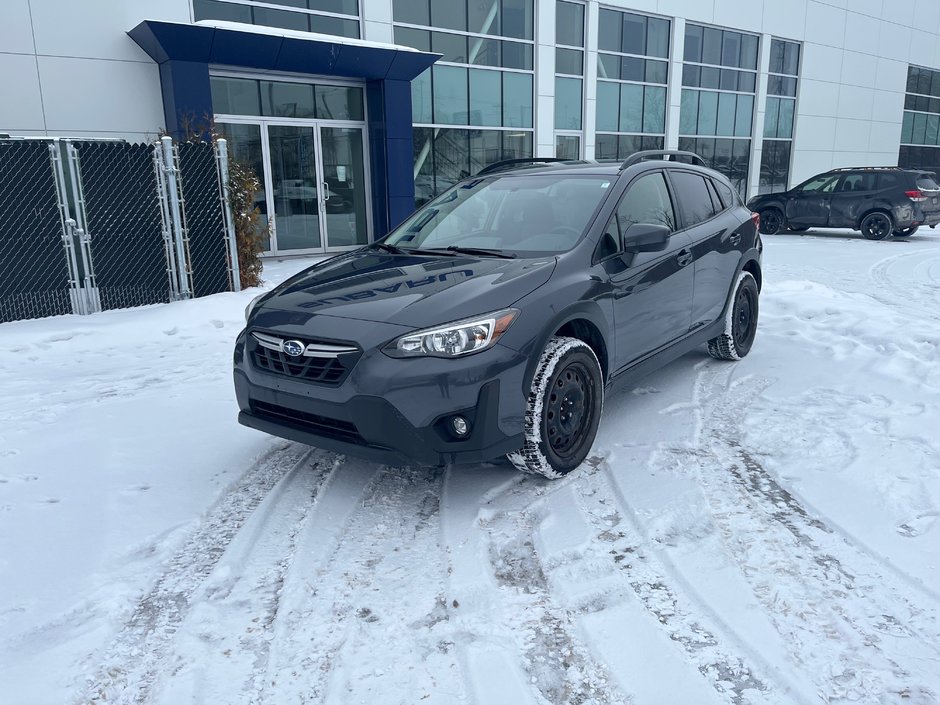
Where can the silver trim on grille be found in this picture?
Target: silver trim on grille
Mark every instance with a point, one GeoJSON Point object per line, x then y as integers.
{"type": "Point", "coordinates": [313, 349]}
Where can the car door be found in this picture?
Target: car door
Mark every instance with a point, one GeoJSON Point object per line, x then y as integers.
{"type": "Point", "coordinates": [651, 291]}
{"type": "Point", "coordinates": [851, 196]}
{"type": "Point", "coordinates": [808, 204]}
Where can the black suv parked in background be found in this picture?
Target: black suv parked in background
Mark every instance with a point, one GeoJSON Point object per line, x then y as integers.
{"type": "Point", "coordinates": [493, 320]}
{"type": "Point", "coordinates": [879, 201]}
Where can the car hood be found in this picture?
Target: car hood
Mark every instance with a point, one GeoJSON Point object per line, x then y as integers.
{"type": "Point", "coordinates": [416, 291]}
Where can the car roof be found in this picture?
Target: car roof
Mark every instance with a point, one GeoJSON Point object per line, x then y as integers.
{"type": "Point", "coordinates": [583, 168]}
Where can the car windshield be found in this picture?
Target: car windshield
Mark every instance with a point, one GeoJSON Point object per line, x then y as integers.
{"type": "Point", "coordinates": [531, 214]}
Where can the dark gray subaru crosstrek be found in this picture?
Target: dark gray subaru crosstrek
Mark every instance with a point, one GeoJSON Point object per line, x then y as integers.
{"type": "Point", "coordinates": [494, 319]}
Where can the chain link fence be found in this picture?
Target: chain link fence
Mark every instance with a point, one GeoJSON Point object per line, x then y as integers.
{"type": "Point", "coordinates": [93, 225]}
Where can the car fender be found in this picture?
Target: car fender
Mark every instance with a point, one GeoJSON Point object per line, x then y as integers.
{"type": "Point", "coordinates": [751, 255]}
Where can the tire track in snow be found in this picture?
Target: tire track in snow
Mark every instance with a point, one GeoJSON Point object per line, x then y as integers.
{"type": "Point", "coordinates": [831, 601]}
{"type": "Point", "coordinates": [367, 586]}
{"type": "Point", "coordinates": [131, 666]}
{"type": "Point", "coordinates": [920, 277]}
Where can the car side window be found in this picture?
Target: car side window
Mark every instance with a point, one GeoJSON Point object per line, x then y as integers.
{"type": "Point", "coordinates": [695, 202]}
{"type": "Point", "coordinates": [717, 201]}
{"type": "Point", "coordinates": [857, 182]}
{"type": "Point", "coordinates": [821, 184]}
{"type": "Point", "coordinates": [726, 193]}
{"type": "Point", "coordinates": [887, 181]}
{"type": "Point", "coordinates": [646, 201]}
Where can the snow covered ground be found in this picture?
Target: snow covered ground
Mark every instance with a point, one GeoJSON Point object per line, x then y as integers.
{"type": "Point", "coordinates": [758, 532]}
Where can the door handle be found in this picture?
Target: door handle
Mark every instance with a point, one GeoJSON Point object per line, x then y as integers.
{"type": "Point", "coordinates": [685, 257]}
{"type": "Point", "coordinates": [326, 191]}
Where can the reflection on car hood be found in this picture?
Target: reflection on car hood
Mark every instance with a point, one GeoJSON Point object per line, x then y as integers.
{"type": "Point", "coordinates": [410, 290]}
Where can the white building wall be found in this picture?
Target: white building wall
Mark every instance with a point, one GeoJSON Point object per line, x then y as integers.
{"type": "Point", "coordinates": [69, 68]}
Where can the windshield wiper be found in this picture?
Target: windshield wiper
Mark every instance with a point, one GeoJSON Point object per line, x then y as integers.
{"type": "Point", "coordinates": [388, 248]}
{"type": "Point", "coordinates": [482, 251]}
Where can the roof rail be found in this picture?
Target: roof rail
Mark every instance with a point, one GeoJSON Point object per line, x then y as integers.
{"type": "Point", "coordinates": [863, 168]}
{"type": "Point", "coordinates": [507, 164]}
{"type": "Point", "coordinates": [638, 157]}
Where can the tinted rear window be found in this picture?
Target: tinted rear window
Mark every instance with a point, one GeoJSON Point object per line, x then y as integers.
{"type": "Point", "coordinates": [926, 183]}
{"type": "Point", "coordinates": [692, 195]}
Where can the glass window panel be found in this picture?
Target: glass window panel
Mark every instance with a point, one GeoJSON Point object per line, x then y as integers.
{"type": "Point", "coordinates": [695, 204]}
{"type": "Point", "coordinates": [731, 49]}
{"type": "Point", "coordinates": [791, 63]}
{"type": "Point", "coordinates": [483, 16]}
{"type": "Point", "coordinates": [634, 34]}
{"type": "Point", "coordinates": [339, 103]}
{"type": "Point", "coordinates": [448, 14]}
{"type": "Point", "coordinates": [934, 105]}
{"type": "Point", "coordinates": [923, 83]}
{"type": "Point", "coordinates": [608, 66]}
{"type": "Point", "coordinates": [631, 108]}
{"type": "Point", "coordinates": [771, 117]}
{"type": "Point", "coordinates": [777, 51]}
{"type": "Point", "coordinates": [691, 75]}
{"type": "Point", "coordinates": [653, 143]}
{"type": "Point", "coordinates": [629, 144]}
{"type": "Point", "coordinates": [913, 76]}
{"type": "Point", "coordinates": [484, 52]}
{"type": "Point", "coordinates": [910, 102]}
{"type": "Point", "coordinates": [748, 51]}
{"type": "Point", "coordinates": [920, 128]}
{"type": "Point", "coordinates": [343, 7]}
{"type": "Point", "coordinates": [688, 113]}
{"type": "Point", "coordinates": [654, 109]}
{"type": "Point", "coordinates": [517, 55]}
{"type": "Point", "coordinates": [923, 103]}
{"type": "Point", "coordinates": [707, 113]}
{"type": "Point", "coordinates": [608, 106]}
{"type": "Point", "coordinates": [291, 3]}
{"type": "Point", "coordinates": [728, 80]}
{"type": "Point", "coordinates": [605, 147]}
{"type": "Point", "coordinates": [516, 145]}
{"type": "Point", "coordinates": [722, 157]}
{"type": "Point", "coordinates": [657, 71]}
{"type": "Point", "coordinates": [293, 100]}
{"type": "Point", "coordinates": [235, 96]}
{"type": "Point", "coordinates": [693, 43]}
{"type": "Point", "coordinates": [345, 175]}
{"type": "Point", "coordinates": [450, 95]}
{"type": "Point", "coordinates": [744, 116]}
{"type": "Point", "coordinates": [485, 148]}
{"type": "Point", "coordinates": [244, 145]}
{"type": "Point", "coordinates": [284, 19]}
{"type": "Point", "coordinates": [657, 37]}
{"type": "Point", "coordinates": [421, 98]}
{"type": "Point", "coordinates": [739, 165]}
{"type": "Point", "coordinates": [451, 157]}
{"type": "Point", "coordinates": [567, 147]}
{"type": "Point", "coordinates": [711, 77]}
{"type": "Point", "coordinates": [935, 83]}
{"type": "Point", "coordinates": [417, 38]}
{"type": "Point", "coordinates": [727, 103]}
{"type": "Point", "coordinates": [933, 125]}
{"type": "Point", "coordinates": [569, 61]}
{"type": "Point", "coordinates": [335, 26]}
{"type": "Point", "coordinates": [567, 103]}
{"type": "Point", "coordinates": [711, 46]}
{"type": "Point", "coordinates": [569, 24]}
{"type": "Point", "coordinates": [423, 157]}
{"type": "Point", "coordinates": [632, 68]}
{"type": "Point", "coordinates": [412, 12]}
{"type": "Point", "coordinates": [785, 123]}
{"type": "Point", "coordinates": [610, 32]}
{"type": "Point", "coordinates": [212, 10]}
{"type": "Point", "coordinates": [486, 101]}
{"type": "Point", "coordinates": [747, 81]}
{"type": "Point", "coordinates": [516, 18]}
{"type": "Point", "coordinates": [907, 127]}
{"type": "Point", "coordinates": [452, 46]}
{"type": "Point", "coordinates": [517, 100]}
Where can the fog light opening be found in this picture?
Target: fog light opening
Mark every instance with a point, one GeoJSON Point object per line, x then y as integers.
{"type": "Point", "coordinates": [460, 426]}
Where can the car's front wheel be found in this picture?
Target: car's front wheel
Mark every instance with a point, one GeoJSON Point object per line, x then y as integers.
{"type": "Point", "coordinates": [771, 221]}
{"type": "Point", "coordinates": [740, 322]}
{"type": "Point", "coordinates": [563, 409]}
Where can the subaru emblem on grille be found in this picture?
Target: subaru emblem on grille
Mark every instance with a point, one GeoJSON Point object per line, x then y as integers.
{"type": "Point", "coordinates": [294, 348]}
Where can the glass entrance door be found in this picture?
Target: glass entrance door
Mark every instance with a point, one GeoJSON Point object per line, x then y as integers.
{"type": "Point", "coordinates": [344, 183]}
{"type": "Point", "coordinates": [295, 187]}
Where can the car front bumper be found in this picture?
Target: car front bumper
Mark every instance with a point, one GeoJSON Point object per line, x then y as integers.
{"type": "Point", "coordinates": [387, 409]}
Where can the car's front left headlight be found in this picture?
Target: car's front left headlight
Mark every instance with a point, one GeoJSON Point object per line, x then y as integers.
{"type": "Point", "coordinates": [454, 339]}
{"type": "Point", "coordinates": [251, 305]}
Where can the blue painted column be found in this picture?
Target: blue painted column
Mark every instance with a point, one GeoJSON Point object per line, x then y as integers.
{"type": "Point", "coordinates": [187, 96]}
{"type": "Point", "coordinates": [392, 153]}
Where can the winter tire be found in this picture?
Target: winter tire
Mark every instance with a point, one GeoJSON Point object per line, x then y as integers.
{"type": "Point", "coordinates": [876, 226]}
{"type": "Point", "coordinates": [905, 232]}
{"type": "Point", "coordinates": [740, 322]}
{"type": "Point", "coordinates": [563, 409]}
{"type": "Point", "coordinates": [771, 221]}
{"type": "Point", "coordinates": [797, 228]}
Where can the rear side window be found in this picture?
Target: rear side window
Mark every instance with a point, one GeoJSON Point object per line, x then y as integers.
{"type": "Point", "coordinates": [726, 193]}
{"type": "Point", "coordinates": [695, 205]}
{"type": "Point", "coordinates": [888, 181]}
{"type": "Point", "coordinates": [857, 182]}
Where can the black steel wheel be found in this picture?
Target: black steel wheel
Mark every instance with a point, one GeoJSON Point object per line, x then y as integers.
{"type": "Point", "coordinates": [740, 322]}
{"type": "Point", "coordinates": [876, 226]}
{"type": "Point", "coordinates": [563, 409]}
{"type": "Point", "coordinates": [771, 221]}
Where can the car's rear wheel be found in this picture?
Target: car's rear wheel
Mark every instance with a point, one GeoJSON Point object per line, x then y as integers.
{"type": "Point", "coordinates": [771, 221]}
{"type": "Point", "coordinates": [905, 232]}
{"type": "Point", "coordinates": [563, 409]}
{"type": "Point", "coordinates": [797, 228]}
{"type": "Point", "coordinates": [740, 330]}
{"type": "Point", "coordinates": [876, 226]}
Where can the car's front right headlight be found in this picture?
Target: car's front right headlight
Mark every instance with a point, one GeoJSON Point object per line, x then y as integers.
{"type": "Point", "coordinates": [251, 305]}
{"type": "Point", "coordinates": [454, 339]}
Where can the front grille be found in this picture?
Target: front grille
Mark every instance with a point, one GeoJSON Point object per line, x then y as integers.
{"type": "Point", "coordinates": [321, 425]}
{"type": "Point", "coordinates": [312, 366]}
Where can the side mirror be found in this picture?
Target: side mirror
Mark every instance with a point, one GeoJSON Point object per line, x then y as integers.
{"type": "Point", "coordinates": [646, 237]}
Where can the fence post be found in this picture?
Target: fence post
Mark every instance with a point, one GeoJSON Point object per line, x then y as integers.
{"type": "Point", "coordinates": [176, 219]}
{"type": "Point", "coordinates": [166, 228]}
{"type": "Point", "coordinates": [90, 286]}
{"type": "Point", "coordinates": [234, 272]}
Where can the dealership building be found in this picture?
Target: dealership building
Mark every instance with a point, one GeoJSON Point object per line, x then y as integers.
{"type": "Point", "coordinates": [353, 111]}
